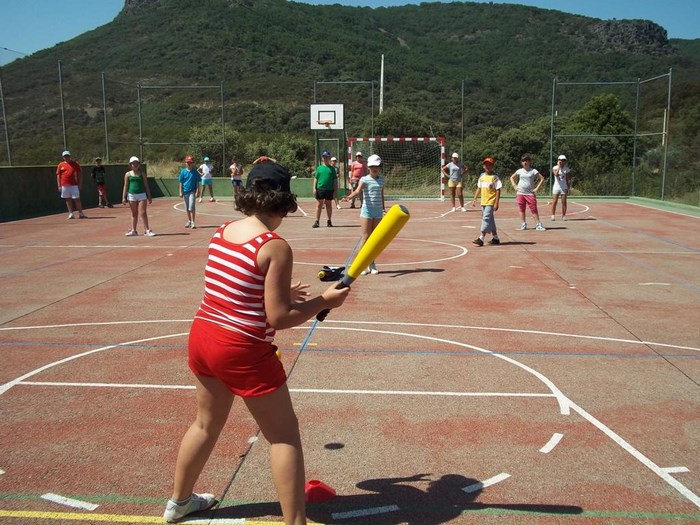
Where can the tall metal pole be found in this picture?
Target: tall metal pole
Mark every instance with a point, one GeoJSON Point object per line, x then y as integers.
{"type": "Point", "coordinates": [551, 133]}
{"type": "Point", "coordinates": [4, 120]}
{"type": "Point", "coordinates": [634, 142]}
{"type": "Point", "coordinates": [223, 132]}
{"type": "Point", "coordinates": [461, 148]}
{"type": "Point", "coordinates": [665, 134]}
{"type": "Point", "coordinates": [104, 112]}
{"type": "Point", "coordinates": [381, 87]}
{"type": "Point", "coordinates": [138, 99]}
{"type": "Point", "coordinates": [63, 113]}
{"type": "Point", "coordinates": [372, 108]}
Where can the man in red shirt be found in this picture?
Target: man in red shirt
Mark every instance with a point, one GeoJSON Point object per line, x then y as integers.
{"type": "Point", "coordinates": [69, 178]}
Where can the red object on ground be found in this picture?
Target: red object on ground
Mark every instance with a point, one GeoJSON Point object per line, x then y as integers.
{"type": "Point", "coordinates": [318, 492]}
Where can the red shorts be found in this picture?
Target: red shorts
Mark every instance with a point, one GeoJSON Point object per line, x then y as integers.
{"type": "Point", "coordinates": [248, 368]}
{"type": "Point", "coordinates": [101, 189]}
{"type": "Point", "coordinates": [530, 200]}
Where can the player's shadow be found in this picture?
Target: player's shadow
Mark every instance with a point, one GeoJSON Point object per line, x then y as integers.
{"type": "Point", "coordinates": [400, 273]}
{"type": "Point", "coordinates": [393, 501]}
{"type": "Point", "coordinates": [515, 243]}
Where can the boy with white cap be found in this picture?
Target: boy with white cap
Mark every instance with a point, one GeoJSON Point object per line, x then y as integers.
{"type": "Point", "coordinates": [68, 178]}
{"type": "Point", "coordinates": [206, 172]}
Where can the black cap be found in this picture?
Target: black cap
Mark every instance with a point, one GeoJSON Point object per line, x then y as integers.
{"type": "Point", "coordinates": [276, 175]}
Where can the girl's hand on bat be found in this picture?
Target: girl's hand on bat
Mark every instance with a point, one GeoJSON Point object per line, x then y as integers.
{"type": "Point", "coordinates": [298, 293]}
{"type": "Point", "coordinates": [334, 297]}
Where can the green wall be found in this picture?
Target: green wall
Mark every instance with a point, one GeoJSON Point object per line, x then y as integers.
{"type": "Point", "coordinates": [30, 191]}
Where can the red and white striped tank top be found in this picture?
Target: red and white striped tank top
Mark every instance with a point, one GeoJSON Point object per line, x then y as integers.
{"type": "Point", "coordinates": [234, 287]}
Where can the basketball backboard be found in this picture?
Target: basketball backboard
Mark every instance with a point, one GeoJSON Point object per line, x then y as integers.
{"type": "Point", "coordinates": [326, 116]}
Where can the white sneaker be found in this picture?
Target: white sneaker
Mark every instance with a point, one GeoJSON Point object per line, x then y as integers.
{"type": "Point", "coordinates": [523, 226]}
{"type": "Point", "coordinates": [364, 272]}
{"type": "Point", "coordinates": [454, 209]}
{"type": "Point", "coordinates": [463, 208]}
{"type": "Point", "coordinates": [70, 216]}
{"type": "Point", "coordinates": [149, 233]}
{"type": "Point", "coordinates": [563, 217]}
{"type": "Point", "coordinates": [188, 224]}
{"type": "Point", "coordinates": [131, 233]}
{"type": "Point", "coordinates": [193, 226]}
{"type": "Point", "coordinates": [199, 200]}
{"type": "Point", "coordinates": [212, 199]}
{"type": "Point", "coordinates": [338, 206]}
{"type": "Point", "coordinates": [553, 219]}
{"type": "Point", "coordinates": [175, 511]}
{"type": "Point", "coordinates": [540, 228]}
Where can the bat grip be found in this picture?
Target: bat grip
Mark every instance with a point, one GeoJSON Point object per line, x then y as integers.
{"type": "Point", "coordinates": [320, 316]}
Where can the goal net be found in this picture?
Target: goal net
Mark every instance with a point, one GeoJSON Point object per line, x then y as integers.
{"type": "Point", "coordinates": [411, 166]}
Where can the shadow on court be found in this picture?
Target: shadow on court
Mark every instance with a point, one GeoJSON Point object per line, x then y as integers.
{"type": "Point", "coordinates": [394, 501]}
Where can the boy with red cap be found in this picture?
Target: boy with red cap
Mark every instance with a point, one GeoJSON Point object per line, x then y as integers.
{"type": "Point", "coordinates": [489, 188]}
{"type": "Point", "coordinates": [189, 185]}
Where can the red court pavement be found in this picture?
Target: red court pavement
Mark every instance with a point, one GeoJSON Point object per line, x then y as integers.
{"type": "Point", "coordinates": [551, 379]}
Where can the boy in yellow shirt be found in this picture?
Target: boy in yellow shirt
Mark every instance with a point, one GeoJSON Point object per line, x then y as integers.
{"type": "Point", "coordinates": [489, 188]}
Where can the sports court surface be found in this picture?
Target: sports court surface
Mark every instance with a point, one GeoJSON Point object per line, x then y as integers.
{"type": "Point", "coordinates": [551, 379]}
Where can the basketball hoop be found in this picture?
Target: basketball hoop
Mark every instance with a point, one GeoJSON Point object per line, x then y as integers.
{"type": "Point", "coordinates": [326, 123]}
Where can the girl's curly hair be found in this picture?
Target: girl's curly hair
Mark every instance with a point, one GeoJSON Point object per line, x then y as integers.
{"type": "Point", "coordinates": [263, 197]}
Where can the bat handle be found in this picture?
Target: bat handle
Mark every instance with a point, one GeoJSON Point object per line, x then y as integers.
{"type": "Point", "coordinates": [323, 313]}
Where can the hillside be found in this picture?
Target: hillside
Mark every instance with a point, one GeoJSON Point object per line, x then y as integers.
{"type": "Point", "coordinates": [269, 53]}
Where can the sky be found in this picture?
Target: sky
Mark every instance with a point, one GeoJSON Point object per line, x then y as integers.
{"type": "Point", "coordinates": [32, 25]}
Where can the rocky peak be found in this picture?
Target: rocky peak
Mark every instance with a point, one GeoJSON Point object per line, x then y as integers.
{"type": "Point", "coordinates": [631, 36]}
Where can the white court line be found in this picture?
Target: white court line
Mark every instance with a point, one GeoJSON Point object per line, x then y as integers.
{"type": "Point", "coordinates": [487, 483]}
{"type": "Point", "coordinates": [662, 210]}
{"type": "Point", "coordinates": [513, 330]}
{"type": "Point", "coordinates": [553, 442]}
{"type": "Point", "coordinates": [296, 390]}
{"type": "Point", "coordinates": [69, 502]}
{"type": "Point", "coordinates": [383, 323]}
{"type": "Point", "coordinates": [461, 249]}
{"type": "Point", "coordinates": [662, 473]}
{"type": "Point", "coordinates": [5, 387]}
{"type": "Point", "coordinates": [371, 511]}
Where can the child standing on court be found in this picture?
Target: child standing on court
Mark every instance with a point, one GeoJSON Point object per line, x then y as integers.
{"type": "Point", "coordinates": [325, 188]}
{"type": "Point", "coordinates": [371, 187]}
{"type": "Point", "coordinates": [248, 294]}
{"type": "Point", "coordinates": [189, 185]}
{"type": "Point", "coordinates": [489, 188]}
{"type": "Point", "coordinates": [561, 185]}
{"type": "Point", "coordinates": [98, 175]}
{"type": "Point", "coordinates": [138, 195]}
{"type": "Point", "coordinates": [206, 172]}
{"type": "Point", "coordinates": [455, 171]}
{"type": "Point", "coordinates": [527, 190]}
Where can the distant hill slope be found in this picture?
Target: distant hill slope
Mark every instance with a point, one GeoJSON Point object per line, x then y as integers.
{"type": "Point", "coordinates": [269, 53]}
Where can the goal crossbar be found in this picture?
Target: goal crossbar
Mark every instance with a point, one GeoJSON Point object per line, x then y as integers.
{"type": "Point", "coordinates": [411, 166]}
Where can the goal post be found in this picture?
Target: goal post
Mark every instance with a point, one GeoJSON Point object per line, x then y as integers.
{"type": "Point", "coordinates": [411, 166]}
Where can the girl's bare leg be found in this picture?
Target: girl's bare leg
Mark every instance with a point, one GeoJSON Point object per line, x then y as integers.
{"type": "Point", "coordinates": [134, 206]}
{"type": "Point", "coordinates": [213, 406]}
{"type": "Point", "coordinates": [275, 416]}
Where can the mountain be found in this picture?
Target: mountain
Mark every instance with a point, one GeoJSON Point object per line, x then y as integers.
{"type": "Point", "coordinates": [272, 57]}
